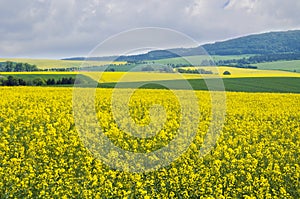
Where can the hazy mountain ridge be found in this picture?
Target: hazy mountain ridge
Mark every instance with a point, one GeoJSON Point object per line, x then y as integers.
{"type": "Point", "coordinates": [283, 42]}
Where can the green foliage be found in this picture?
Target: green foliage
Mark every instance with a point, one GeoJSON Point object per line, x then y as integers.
{"type": "Point", "coordinates": [15, 81]}
{"type": "Point", "coordinates": [16, 67]}
{"type": "Point", "coordinates": [110, 69]}
{"type": "Point", "coordinates": [226, 73]}
{"type": "Point", "coordinates": [267, 43]}
{"type": "Point", "coordinates": [147, 68]}
{"type": "Point", "coordinates": [51, 81]}
{"type": "Point", "coordinates": [39, 82]}
{"type": "Point", "coordinates": [194, 71]}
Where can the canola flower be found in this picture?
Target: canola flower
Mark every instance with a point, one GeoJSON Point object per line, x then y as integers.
{"type": "Point", "coordinates": [42, 155]}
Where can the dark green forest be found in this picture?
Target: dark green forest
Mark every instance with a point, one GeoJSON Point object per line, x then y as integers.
{"type": "Point", "coordinates": [262, 44]}
{"type": "Point", "coordinates": [16, 81]}
{"type": "Point", "coordinates": [17, 67]}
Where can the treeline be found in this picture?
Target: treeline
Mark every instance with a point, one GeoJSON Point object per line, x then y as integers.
{"type": "Point", "coordinates": [108, 67]}
{"type": "Point", "coordinates": [15, 81]}
{"type": "Point", "coordinates": [259, 59]}
{"type": "Point", "coordinates": [194, 71]}
{"type": "Point", "coordinates": [17, 67]}
{"type": "Point", "coordinates": [61, 69]}
{"type": "Point", "coordinates": [180, 65]}
{"type": "Point", "coordinates": [158, 68]}
{"type": "Point", "coordinates": [274, 57]}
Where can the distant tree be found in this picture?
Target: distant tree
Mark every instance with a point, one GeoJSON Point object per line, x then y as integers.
{"type": "Point", "coordinates": [29, 67]}
{"type": "Point", "coordinates": [226, 73]}
{"type": "Point", "coordinates": [71, 80]}
{"type": "Point", "coordinates": [17, 67]}
{"type": "Point", "coordinates": [22, 82]}
{"type": "Point", "coordinates": [50, 81]}
{"type": "Point", "coordinates": [64, 80]}
{"type": "Point", "coordinates": [194, 71]}
{"type": "Point", "coordinates": [8, 66]}
{"type": "Point", "coordinates": [111, 70]}
{"type": "Point", "coordinates": [12, 81]}
{"type": "Point", "coordinates": [29, 83]}
{"type": "Point", "coordinates": [39, 82]}
{"type": "Point", "coordinates": [148, 68]}
{"type": "Point", "coordinates": [167, 69]}
{"type": "Point", "coordinates": [206, 62]}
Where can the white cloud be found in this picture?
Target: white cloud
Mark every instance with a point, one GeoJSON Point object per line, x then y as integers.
{"type": "Point", "coordinates": [72, 27]}
{"type": "Point", "coordinates": [247, 5]}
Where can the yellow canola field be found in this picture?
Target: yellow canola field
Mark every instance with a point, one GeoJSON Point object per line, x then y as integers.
{"type": "Point", "coordinates": [42, 155]}
{"type": "Point", "coordinates": [137, 76]}
{"type": "Point", "coordinates": [154, 76]}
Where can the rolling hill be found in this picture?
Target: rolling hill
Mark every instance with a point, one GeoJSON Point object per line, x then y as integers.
{"type": "Point", "coordinates": [283, 42]}
{"type": "Point", "coordinates": [266, 43]}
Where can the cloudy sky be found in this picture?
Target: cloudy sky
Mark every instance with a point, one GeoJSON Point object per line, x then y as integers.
{"type": "Point", "coordinates": [64, 28]}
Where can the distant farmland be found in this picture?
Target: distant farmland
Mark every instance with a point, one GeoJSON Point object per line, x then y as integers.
{"type": "Point", "coordinates": [293, 65]}
{"type": "Point", "coordinates": [53, 63]}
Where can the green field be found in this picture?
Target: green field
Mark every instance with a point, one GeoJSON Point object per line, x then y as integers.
{"type": "Point", "coordinates": [253, 84]}
{"type": "Point", "coordinates": [280, 65]}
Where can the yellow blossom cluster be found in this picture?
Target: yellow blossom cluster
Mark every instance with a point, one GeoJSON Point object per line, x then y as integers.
{"type": "Point", "coordinates": [43, 155]}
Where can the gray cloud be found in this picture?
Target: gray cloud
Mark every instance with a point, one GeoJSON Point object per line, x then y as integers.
{"type": "Point", "coordinates": [45, 28]}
